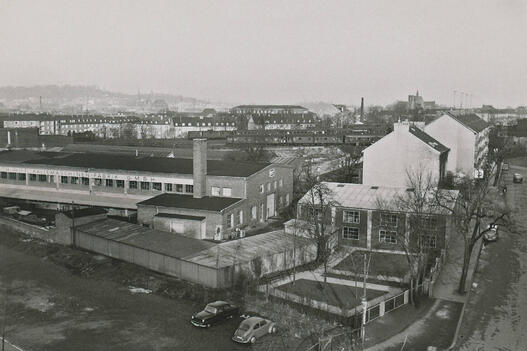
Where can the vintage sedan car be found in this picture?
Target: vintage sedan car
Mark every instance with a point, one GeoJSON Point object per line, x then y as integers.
{"type": "Point", "coordinates": [214, 313]}
{"type": "Point", "coordinates": [517, 178]}
{"type": "Point", "coordinates": [253, 328]}
{"type": "Point", "coordinates": [492, 234]}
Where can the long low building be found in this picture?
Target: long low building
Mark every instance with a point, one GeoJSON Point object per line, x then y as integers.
{"type": "Point", "coordinates": [198, 261]}
{"type": "Point", "coordinates": [161, 184]}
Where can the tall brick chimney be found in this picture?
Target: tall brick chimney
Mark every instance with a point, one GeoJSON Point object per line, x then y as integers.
{"type": "Point", "coordinates": [200, 168]}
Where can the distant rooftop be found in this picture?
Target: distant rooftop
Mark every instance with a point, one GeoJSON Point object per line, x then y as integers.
{"type": "Point", "coordinates": [130, 163]}
{"type": "Point", "coordinates": [173, 215]}
{"type": "Point", "coordinates": [269, 107]}
{"type": "Point", "coordinates": [207, 203]}
{"type": "Point", "coordinates": [469, 120]}
{"type": "Point", "coordinates": [85, 212]}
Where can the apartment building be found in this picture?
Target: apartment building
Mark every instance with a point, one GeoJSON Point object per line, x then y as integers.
{"type": "Point", "coordinates": [467, 137]}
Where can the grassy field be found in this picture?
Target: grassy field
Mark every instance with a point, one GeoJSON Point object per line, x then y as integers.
{"type": "Point", "coordinates": [334, 294]}
{"type": "Point", "coordinates": [393, 265]}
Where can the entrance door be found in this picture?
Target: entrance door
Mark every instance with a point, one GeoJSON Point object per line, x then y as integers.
{"type": "Point", "coordinates": [270, 206]}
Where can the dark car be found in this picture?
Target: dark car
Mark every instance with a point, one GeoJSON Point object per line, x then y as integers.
{"type": "Point", "coordinates": [213, 313]}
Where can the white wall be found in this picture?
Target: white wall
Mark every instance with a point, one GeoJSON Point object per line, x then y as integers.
{"type": "Point", "coordinates": [388, 161]}
{"type": "Point", "coordinates": [459, 139]}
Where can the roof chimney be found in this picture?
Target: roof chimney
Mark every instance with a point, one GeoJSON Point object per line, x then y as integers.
{"type": "Point", "coordinates": [362, 109]}
{"type": "Point", "coordinates": [200, 168]}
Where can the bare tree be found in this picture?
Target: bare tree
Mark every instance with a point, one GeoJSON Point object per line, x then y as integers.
{"type": "Point", "coordinates": [316, 214]}
{"type": "Point", "coordinates": [424, 218]}
{"type": "Point", "coordinates": [479, 207]}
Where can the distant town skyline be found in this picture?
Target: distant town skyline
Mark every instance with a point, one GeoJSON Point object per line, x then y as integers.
{"type": "Point", "coordinates": [277, 52]}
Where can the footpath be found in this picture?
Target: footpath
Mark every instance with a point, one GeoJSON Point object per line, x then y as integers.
{"type": "Point", "coordinates": [438, 327]}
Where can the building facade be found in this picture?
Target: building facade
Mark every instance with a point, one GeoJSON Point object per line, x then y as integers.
{"type": "Point", "coordinates": [467, 137]}
{"type": "Point", "coordinates": [404, 152]}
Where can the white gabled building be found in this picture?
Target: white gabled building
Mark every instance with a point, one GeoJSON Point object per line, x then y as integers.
{"type": "Point", "coordinates": [406, 150]}
{"type": "Point", "coordinates": [467, 137]}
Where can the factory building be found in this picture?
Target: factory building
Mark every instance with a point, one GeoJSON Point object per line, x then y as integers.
{"type": "Point", "coordinates": [200, 198]}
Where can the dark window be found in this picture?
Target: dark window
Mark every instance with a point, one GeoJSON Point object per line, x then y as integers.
{"type": "Point", "coordinates": [109, 183]}
{"type": "Point", "coordinates": [145, 186]}
{"type": "Point", "coordinates": [3, 175]}
{"type": "Point", "coordinates": [74, 180]}
{"type": "Point", "coordinates": [21, 176]}
{"type": "Point", "coordinates": [350, 233]}
{"type": "Point", "coordinates": [97, 181]}
{"type": "Point", "coordinates": [189, 188]}
{"type": "Point", "coordinates": [132, 184]}
{"type": "Point", "coordinates": [119, 183]}
{"type": "Point", "coordinates": [168, 187]}
{"type": "Point", "coordinates": [12, 176]}
{"type": "Point", "coordinates": [64, 180]}
{"type": "Point", "coordinates": [179, 188]}
{"type": "Point", "coordinates": [351, 216]}
{"type": "Point", "coordinates": [85, 181]}
{"type": "Point", "coordinates": [156, 186]}
{"type": "Point", "coordinates": [388, 236]}
{"type": "Point", "coordinates": [51, 178]}
{"type": "Point", "coordinates": [429, 241]}
{"type": "Point", "coordinates": [388, 220]}
{"type": "Point", "coordinates": [42, 178]}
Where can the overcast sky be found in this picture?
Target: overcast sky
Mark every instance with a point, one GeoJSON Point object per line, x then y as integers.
{"type": "Point", "coordinates": [272, 51]}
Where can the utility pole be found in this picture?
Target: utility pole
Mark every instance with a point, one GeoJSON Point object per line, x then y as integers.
{"type": "Point", "coordinates": [73, 241]}
{"type": "Point", "coordinates": [364, 301]}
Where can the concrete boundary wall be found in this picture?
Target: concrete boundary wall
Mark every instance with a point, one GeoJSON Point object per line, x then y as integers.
{"type": "Point", "coordinates": [173, 266]}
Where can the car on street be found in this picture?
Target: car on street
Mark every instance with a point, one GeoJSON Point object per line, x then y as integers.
{"type": "Point", "coordinates": [517, 178]}
{"type": "Point", "coordinates": [213, 313]}
{"type": "Point", "coordinates": [491, 234]}
{"type": "Point", "coordinates": [505, 166]}
{"type": "Point", "coordinates": [252, 329]}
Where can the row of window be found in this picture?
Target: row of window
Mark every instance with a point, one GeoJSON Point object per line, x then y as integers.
{"type": "Point", "coordinates": [271, 185]}
{"type": "Point", "coordinates": [217, 191]}
{"type": "Point", "coordinates": [390, 220]}
{"type": "Point", "coordinates": [282, 202]}
{"type": "Point", "coordinates": [389, 236]}
{"type": "Point", "coordinates": [117, 183]}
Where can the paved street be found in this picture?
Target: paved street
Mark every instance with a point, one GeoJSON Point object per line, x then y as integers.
{"type": "Point", "coordinates": [496, 316]}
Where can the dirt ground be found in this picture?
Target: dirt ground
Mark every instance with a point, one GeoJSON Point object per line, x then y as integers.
{"type": "Point", "coordinates": [60, 298]}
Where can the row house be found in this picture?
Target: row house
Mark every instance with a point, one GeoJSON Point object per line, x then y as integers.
{"type": "Point", "coordinates": [219, 123]}
{"type": "Point", "coordinates": [467, 137]}
{"type": "Point", "coordinates": [372, 218]}
{"type": "Point", "coordinates": [269, 109]}
{"type": "Point", "coordinates": [282, 121]}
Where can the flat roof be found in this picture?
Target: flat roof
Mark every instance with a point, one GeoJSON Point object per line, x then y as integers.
{"type": "Point", "coordinates": [247, 249]}
{"type": "Point", "coordinates": [130, 163]}
{"type": "Point", "coordinates": [172, 215]}
{"type": "Point", "coordinates": [206, 203]}
{"type": "Point", "coordinates": [84, 212]}
{"type": "Point", "coordinates": [170, 244]}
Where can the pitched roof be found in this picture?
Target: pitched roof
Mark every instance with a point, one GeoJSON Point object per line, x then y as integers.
{"type": "Point", "coordinates": [469, 120]}
{"type": "Point", "coordinates": [131, 163]}
{"type": "Point", "coordinates": [207, 203]}
{"type": "Point", "coordinates": [430, 141]}
{"type": "Point", "coordinates": [361, 196]}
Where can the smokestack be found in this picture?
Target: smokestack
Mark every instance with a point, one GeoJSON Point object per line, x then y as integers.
{"type": "Point", "coordinates": [200, 168]}
{"type": "Point", "coordinates": [362, 109]}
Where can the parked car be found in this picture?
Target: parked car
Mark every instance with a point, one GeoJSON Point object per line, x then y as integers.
{"type": "Point", "coordinates": [253, 328]}
{"type": "Point", "coordinates": [517, 178]}
{"type": "Point", "coordinates": [505, 166]}
{"type": "Point", "coordinates": [213, 313]}
{"type": "Point", "coordinates": [492, 234]}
